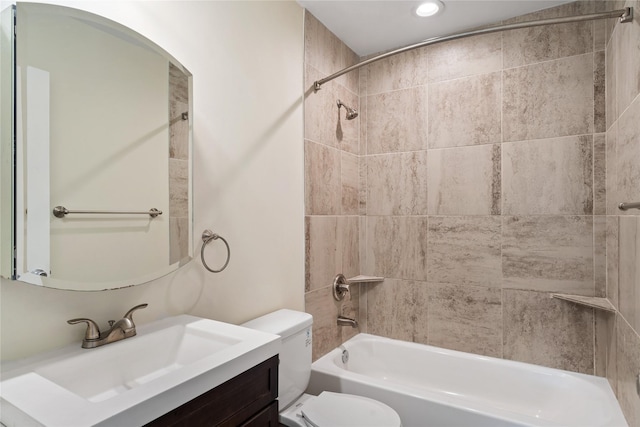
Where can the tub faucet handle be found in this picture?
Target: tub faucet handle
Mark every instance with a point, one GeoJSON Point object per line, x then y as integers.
{"type": "Point", "coordinates": [340, 287]}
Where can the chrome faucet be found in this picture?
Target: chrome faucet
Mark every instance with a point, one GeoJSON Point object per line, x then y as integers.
{"type": "Point", "coordinates": [123, 328]}
{"type": "Point", "coordinates": [346, 321]}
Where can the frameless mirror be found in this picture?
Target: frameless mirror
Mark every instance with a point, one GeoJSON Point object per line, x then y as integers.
{"type": "Point", "coordinates": [98, 156]}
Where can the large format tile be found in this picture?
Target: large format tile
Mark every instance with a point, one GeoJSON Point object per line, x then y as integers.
{"type": "Point", "coordinates": [599, 255]}
{"type": "Point", "coordinates": [465, 318]}
{"type": "Point", "coordinates": [323, 254]}
{"type": "Point", "coordinates": [626, 40]}
{"type": "Point", "coordinates": [327, 335]}
{"type": "Point", "coordinates": [465, 111]}
{"type": "Point", "coordinates": [611, 179]}
{"type": "Point", "coordinates": [628, 352]}
{"type": "Point", "coordinates": [397, 247]}
{"type": "Point", "coordinates": [397, 184]}
{"type": "Point", "coordinates": [465, 250]}
{"type": "Point", "coordinates": [322, 179]}
{"type": "Point", "coordinates": [546, 331]}
{"type": "Point", "coordinates": [599, 92]}
{"type": "Point", "coordinates": [550, 176]}
{"type": "Point", "coordinates": [397, 121]}
{"type": "Point", "coordinates": [611, 100]}
{"type": "Point", "coordinates": [627, 167]}
{"type": "Point", "coordinates": [350, 180]}
{"type": "Point", "coordinates": [549, 99]}
{"type": "Point", "coordinates": [400, 71]}
{"type": "Point", "coordinates": [349, 245]}
{"type": "Point", "coordinates": [464, 181]}
{"type": "Point", "coordinates": [465, 57]}
{"type": "Point", "coordinates": [629, 270]}
{"type": "Point", "coordinates": [548, 253]}
{"type": "Point", "coordinates": [538, 44]}
{"type": "Point", "coordinates": [599, 174]}
{"type": "Point", "coordinates": [612, 259]}
{"type": "Point", "coordinates": [398, 309]}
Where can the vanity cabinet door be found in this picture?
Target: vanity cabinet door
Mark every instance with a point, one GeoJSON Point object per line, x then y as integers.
{"type": "Point", "coordinates": [248, 399]}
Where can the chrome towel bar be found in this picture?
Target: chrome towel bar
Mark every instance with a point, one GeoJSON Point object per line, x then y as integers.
{"type": "Point", "coordinates": [61, 212]}
{"type": "Point", "coordinates": [625, 206]}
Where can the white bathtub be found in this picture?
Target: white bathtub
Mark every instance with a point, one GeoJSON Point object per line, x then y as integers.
{"type": "Point", "coordinates": [430, 386]}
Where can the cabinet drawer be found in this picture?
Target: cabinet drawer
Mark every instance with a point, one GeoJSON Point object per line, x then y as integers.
{"type": "Point", "coordinates": [231, 403]}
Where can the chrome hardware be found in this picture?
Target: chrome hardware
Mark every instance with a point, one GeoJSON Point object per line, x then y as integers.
{"type": "Point", "coordinates": [624, 15]}
{"type": "Point", "coordinates": [627, 206]}
{"type": "Point", "coordinates": [39, 272]}
{"type": "Point", "coordinates": [61, 212]}
{"type": "Point", "coordinates": [123, 328]}
{"type": "Point", "coordinates": [340, 287]}
{"type": "Point", "coordinates": [351, 112]}
{"type": "Point", "coordinates": [345, 356]}
{"type": "Point", "coordinates": [346, 321]}
{"type": "Point", "coordinates": [207, 236]}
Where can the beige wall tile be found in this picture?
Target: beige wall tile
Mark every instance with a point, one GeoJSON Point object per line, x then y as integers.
{"type": "Point", "coordinates": [327, 335]}
{"type": "Point", "coordinates": [599, 93]}
{"type": "Point", "coordinates": [465, 111]}
{"type": "Point", "coordinates": [397, 247]}
{"type": "Point", "coordinates": [465, 250]}
{"type": "Point", "coordinates": [627, 166]}
{"type": "Point", "coordinates": [599, 174]}
{"type": "Point", "coordinates": [611, 101]}
{"type": "Point", "coordinates": [323, 254]}
{"type": "Point", "coordinates": [328, 54]}
{"type": "Point", "coordinates": [613, 198]}
{"type": "Point", "coordinates": [178, 130]}
{"type": "Point", "coordinates": [397, 121]}
{"type": "Point", "coordinates": [626, 40]}
{"type": "Point", "coordinates": [465, 57]}
{"type": "Point", "coordinates": [464, 181]}
{"type": "Point", "coordinates": [350, 177]}
{"type": "Point", "coordinates": [604, 345]}
{"type": "Point", "coordinates": [612, 259]}
{"type": "Point", "coordinates": [397, 184]}
{"type": "Point", "coordinates": [628, 361]}
{"type": "Point", "coordinates": [178, 239]}
{"type": "Point", "coordinates": [547, 332]}
{"type": "Point", "coordinates": [599, 255]}
{"type": "Point", "coordinates": [548, 253]}
{"type": "Point", "coordinates": [398, 309]}
{"type": "Point", "coordinates": [465, 318]}
{"type": "Point", "coordinates": [349, 245]}
{"type": "Point", "coordinates": [538, 44]}
{"type": "Point", "coordinates": [320, 111]}
{"type": "Point", "coordinates": [178, 188]}
{"type": "Point", "coordinates": [322, 179]}
{"type": "Point", "coordinates": [401, 71]}
{"type": "Point", "coordinates": [549, 99]}
{"type": "Point", "coordinates": [550, 176]}
{"type": "Point", "coordinates": [629, 270]}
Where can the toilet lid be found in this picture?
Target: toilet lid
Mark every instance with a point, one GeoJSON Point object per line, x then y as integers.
{"type": "Point", "coordinates": [347, 410]}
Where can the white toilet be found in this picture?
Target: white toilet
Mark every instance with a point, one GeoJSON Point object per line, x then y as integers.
{"type": "Point", "coordinates": [298, 409]}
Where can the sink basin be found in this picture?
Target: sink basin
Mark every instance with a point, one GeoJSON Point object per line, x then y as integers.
{"type": "Point", "coordinates": [132, 381]}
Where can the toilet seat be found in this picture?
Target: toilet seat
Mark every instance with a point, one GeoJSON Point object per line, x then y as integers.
{"type": "Point", "coordinates": [347, 410]}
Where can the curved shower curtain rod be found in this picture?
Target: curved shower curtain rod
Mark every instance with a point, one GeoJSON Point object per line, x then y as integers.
{"type": "Point", "coordinates": [625, 15]}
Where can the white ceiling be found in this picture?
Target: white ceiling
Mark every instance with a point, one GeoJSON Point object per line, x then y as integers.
{"type": "Point", "coordinates": [375, 26]}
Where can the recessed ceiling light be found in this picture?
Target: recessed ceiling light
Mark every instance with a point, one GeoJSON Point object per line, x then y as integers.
{"type": "Point", "coordinates": [429, 8]}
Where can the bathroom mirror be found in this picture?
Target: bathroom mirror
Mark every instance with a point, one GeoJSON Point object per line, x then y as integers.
{"type": "Point", "coordinates": [98, 155]}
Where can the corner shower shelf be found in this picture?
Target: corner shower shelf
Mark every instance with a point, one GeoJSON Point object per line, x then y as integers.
{"type": "Point", "coordinates": [594, 302]}
{"type": "Point", "coordinates": [365, 279]}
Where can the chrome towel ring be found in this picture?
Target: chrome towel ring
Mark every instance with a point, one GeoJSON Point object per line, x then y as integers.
{"type": "Point", "coordinates": [207, 236]}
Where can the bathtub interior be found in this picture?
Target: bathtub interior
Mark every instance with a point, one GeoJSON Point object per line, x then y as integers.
{"type": "Point", "coordinates": [520, 393]}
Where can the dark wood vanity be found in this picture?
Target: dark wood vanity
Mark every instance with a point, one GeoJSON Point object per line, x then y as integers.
{"type": "Point", "coordinates": [247, 400]}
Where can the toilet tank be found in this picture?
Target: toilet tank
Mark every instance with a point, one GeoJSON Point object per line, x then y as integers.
{"type": "Point", "coordinates": [294, 327]}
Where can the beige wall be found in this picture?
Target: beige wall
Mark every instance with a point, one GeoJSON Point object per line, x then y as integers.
{"type": "Point", "coordinates": [484, 178]}
{"type": "Point", "coordinates": [246, 59]}
{"type": "Point", "coordinates": [618, 339]}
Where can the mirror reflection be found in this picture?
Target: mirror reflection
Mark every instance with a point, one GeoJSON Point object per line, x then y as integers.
{"type": "Point", "coordinates": [102, 131]}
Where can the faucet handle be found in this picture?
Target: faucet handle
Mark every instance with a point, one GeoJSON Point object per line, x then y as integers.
{"type": "Point", "coordinates": [130, 312]}
{"type": "Point", "coordinates": [92, 332]}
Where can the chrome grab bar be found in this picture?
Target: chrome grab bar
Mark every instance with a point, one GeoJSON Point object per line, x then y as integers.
{"type": "Point", "coordinates": [61, 212]}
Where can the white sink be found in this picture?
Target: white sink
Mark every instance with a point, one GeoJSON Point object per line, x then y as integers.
{"type": "Point", "coordinates": [133, 381]}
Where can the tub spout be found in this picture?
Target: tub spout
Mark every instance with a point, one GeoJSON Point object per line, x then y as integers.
{"type": "Point", "coordinates": [345, 321]}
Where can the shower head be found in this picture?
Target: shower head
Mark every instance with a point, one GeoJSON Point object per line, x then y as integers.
{"type": "Point", "coordinates": [351, 113]}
